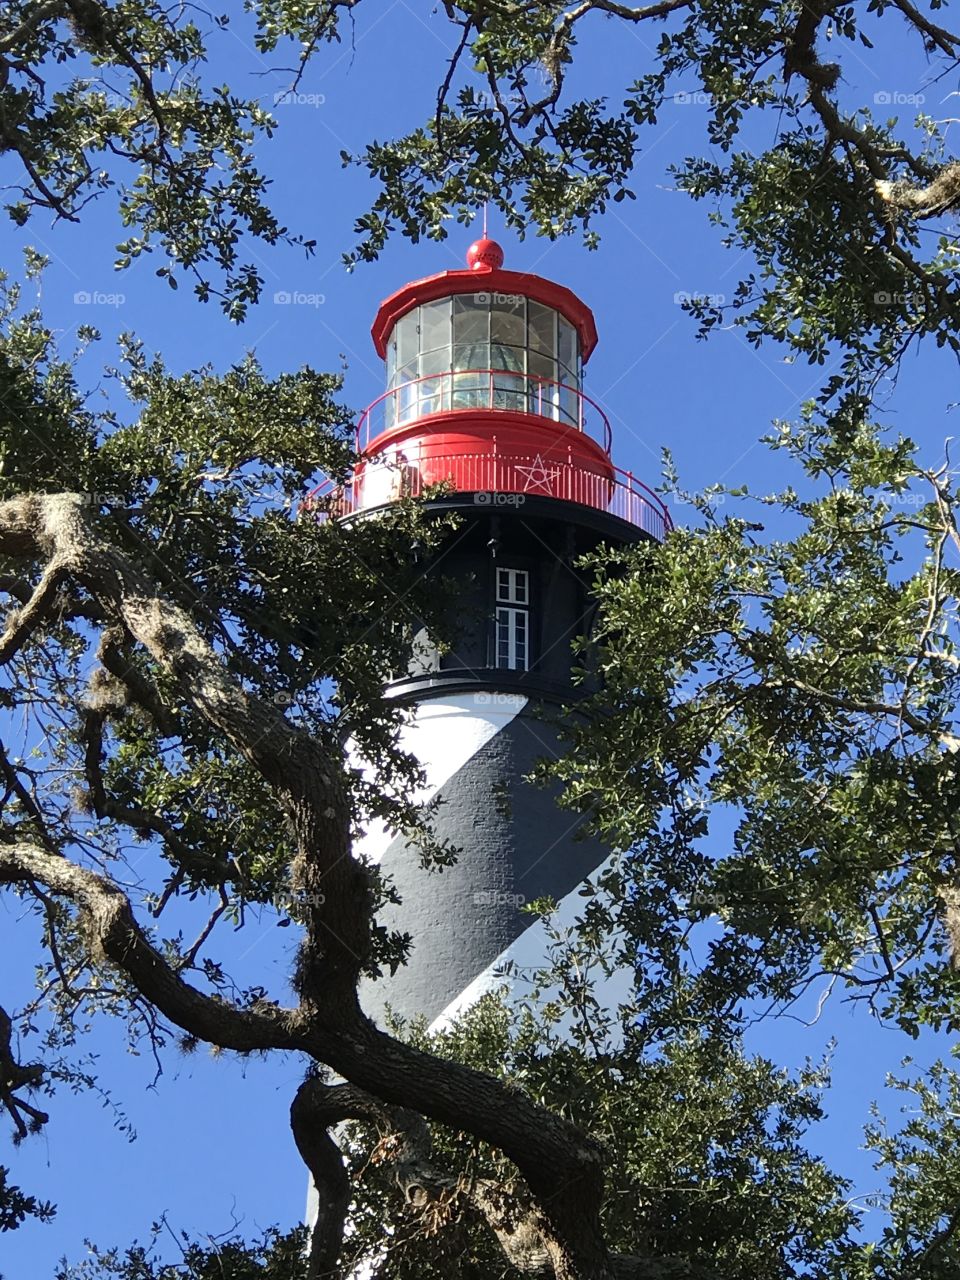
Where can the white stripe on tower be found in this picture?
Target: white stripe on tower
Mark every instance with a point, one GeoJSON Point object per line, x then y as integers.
{"type": "Point", "coordinates": [442, 734]}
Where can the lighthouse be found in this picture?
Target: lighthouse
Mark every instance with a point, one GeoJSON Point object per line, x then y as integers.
{"type": "Point", "coordinates": [484, 397]}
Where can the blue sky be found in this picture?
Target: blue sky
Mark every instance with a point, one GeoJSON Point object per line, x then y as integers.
{"type": "Point", "coordinates": [214, 1139]}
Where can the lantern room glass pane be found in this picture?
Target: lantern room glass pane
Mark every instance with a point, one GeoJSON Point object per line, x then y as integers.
{"type": "Point", "coordinates": [508, 320]}
{"type": "Point", "coordinates": [544, 392]}
{"type": "Point", "coordinates": [509, 379]}
{"type": "Point", "coordinates": [570, 405]}
{"type": "Point", "coordinates": [432, 396]}
{"type": "Point", "coordinates": [542, 366]}
{"type": "Point", "coordinates": [408, 341]}
{"type": "Point", "coordinates": [437, 361]}
{"type": "Point", "coordinates": [506, 358]}
{"type": "Point", "coordinates": [567, 346]}
{"type": "Point", "coordinates": [470, 391]}
{"type": "Point", "coordinates": [508, 329]}
{"type": "Point", "coordinates": [473, 356]}
{"type": "Point", "coordinates": [541, 329]}
{"type": "Point", "coordinates": [471, 318]}
{"type": "Point", "coordinates": [435, 325]}
{"type": "Point", "coordinates": [510, 391]}
{"type": "Point", "coordinates": [407, 400]}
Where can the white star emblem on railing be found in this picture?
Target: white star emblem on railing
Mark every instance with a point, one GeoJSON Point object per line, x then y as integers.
{"type": "Point", "coordinates": [538, 476]}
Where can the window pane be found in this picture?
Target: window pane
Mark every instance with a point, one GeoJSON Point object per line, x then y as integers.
{"type": "Point", "coordinates": [476, 355]}
{"type": "Point", "coordinates": [503, 637]}
{"type": "Point", "coordinates": [433, 395]}
{"type": "Point", "coordinates": [471, 319]}
{"type": "Point", "coordinates": [541, 328]}
{"type": "Point", "coordinates": [569, 406]}
{"type": "Point", "coordinates": [570, 376]}
{"type": "Point", "coordinates": [503, 357]}
{"type": "Point", "coordinates": [408, 402]}
{"type": "Point", "coordinates": [512, 639]}
{"type": "Point", "coordinates": [510, 391]}
{"type": "Point", "coordinates": [407, 336]}
{"type": "Point", "coordinates": [543, 391]}
{"type": "Point", "coordinates": [520, 640]}
{"type": "Point", "coordinates": [508, 320]}
{"type": "Point", "coordinates": [436, 361]}
{"type": "Point", "coordinates": [543, 367]}
{"type": "Point", "coordinates": [469, 390]}
{"type": "Point", "coordinates": [435, 325]}
{"type": "Point", "coordinates": [512, 585]}
{"type": "Point", "coordinates": [567, 350]}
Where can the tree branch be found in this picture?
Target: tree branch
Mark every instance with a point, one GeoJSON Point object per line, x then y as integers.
{"type": "Point", "coordinates": [869, 706]}
{"type": "Point", "coordinates": [21, 623]}
{"type": "Point", "coordinates": [312, 1114]}
{"type": "Point", "coordinates": [140, 689]}
{"type": "Point", "coordinates": [511, 1215]}
{"type": "Point", "coordinates": [13, 1077]}
{"type": "Point", "coordinates": [51, 9]}
{"type": "Point", "coordinates": [113, 934]}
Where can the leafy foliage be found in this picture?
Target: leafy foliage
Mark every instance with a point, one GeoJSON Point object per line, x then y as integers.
{"type": "Point", "coordinates": [777, 739]}
{"type": "Point", "coordinates": [705, 1145]}
{"type": "Point", "coordinates": [15, 1206]}
{"type": "Point", "coordinates": [273, 1257]}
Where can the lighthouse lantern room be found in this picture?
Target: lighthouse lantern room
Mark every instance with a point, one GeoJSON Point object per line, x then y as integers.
{"type": "Point", "coordinates": [484, 374]}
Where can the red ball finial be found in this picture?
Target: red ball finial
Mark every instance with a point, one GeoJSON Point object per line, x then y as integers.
{"type": "Point", "coordinates": [484, 255]}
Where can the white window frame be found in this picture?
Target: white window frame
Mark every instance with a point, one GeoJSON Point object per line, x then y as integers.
{"type": "Point", "coordinates": [513, 586]}
{"type": "Point", "coordinates": [517, 623]}
{"type": "Point", "coordinates": [512, 611]}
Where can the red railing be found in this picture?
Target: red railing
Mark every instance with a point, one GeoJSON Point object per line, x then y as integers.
{"type": "Point", "coordinates": [471, 389]}
{"type": "Point", "coordinates": [494, 481]}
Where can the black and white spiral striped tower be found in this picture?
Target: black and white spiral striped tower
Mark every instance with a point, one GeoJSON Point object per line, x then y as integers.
{"type": "Point", "coordinates": [484, 391]}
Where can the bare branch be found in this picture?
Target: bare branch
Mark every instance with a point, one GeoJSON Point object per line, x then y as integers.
{"type": "Point", "coordinates": [938, 37]}
{"type": "Point", "coordinates": [189, 958]}
{"type": "Point", "coordinates": [22, 623]}
{"type": "Point", "coordinates": [629, 13]}
{"type": "Point", "coordinates": [312, 1114]}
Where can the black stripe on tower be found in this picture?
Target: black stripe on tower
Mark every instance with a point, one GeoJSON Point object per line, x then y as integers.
{"type": "Point", "coordinates": [516, 845]}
